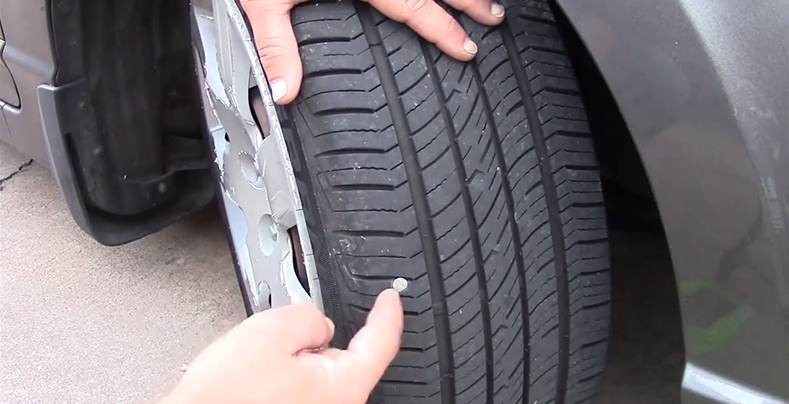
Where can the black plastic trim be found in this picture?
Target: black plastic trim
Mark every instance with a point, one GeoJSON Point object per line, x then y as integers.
{"type": "Point", "coordinates": [61, 124]}
{"type": "Point", "coordinates": [118, 120]}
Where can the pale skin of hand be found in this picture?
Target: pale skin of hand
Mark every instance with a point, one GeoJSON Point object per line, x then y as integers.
{"type": "Point", "coordinates": [279, 54]}
{"type": "Point", "coordinates": [280, 356]}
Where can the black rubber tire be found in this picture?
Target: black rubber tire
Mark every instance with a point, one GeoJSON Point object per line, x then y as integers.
{"type": "Point", "coordinates": [476, 182]}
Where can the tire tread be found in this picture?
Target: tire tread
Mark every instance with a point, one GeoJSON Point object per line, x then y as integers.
{"type": "Point", "coordinates": [476, 182]}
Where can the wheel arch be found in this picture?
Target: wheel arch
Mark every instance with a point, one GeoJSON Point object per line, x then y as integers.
{"type": "Point", "coordinates": [699, 91]}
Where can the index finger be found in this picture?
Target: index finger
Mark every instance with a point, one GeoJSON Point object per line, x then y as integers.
{"type": "Point", "coordinates": [276, 45]}
{"type": "Point", "coordinates": [431, 22]}
{"type": "Point", "coordinates": [374, 347]}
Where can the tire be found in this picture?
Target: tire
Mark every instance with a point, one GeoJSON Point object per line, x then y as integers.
{"type": "Point", "coordinates": [476, 182]}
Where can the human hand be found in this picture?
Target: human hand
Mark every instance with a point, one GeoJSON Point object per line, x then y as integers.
{"type": "Point", "coordinates": [279, 356]}
{"type": "Point", "coordinates": [279, 53]}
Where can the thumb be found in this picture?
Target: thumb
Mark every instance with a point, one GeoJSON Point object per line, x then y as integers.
{"type": "Point", "coordinates": [276, 46]}
{"type": "Point", "coordinates": [290, 329]}
{"type": "Point", "coordinates": [375, 346]}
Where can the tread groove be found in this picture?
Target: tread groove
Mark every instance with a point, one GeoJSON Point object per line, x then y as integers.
{"type": "Point", "coordinates": [421, 207]}
{"type": "Point", "coordinates": [471, 219]}
{"type": "Point", "coordinates": [560, 260]}
{"type": "Point", "coordinates": [510, 204]}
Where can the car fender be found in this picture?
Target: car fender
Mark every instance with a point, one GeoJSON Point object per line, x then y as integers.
{"type": "Point", "coordinates": [702, 87]}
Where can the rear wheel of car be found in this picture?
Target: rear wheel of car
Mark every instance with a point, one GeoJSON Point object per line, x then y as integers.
{"type": "Point", "coordinates": [476, 182]}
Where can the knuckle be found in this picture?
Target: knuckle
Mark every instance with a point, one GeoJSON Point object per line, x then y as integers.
{"type": "Point", "coordinates": [417, 7]}
{"type": "Point", "coordinates": [271, 52]}
{"type": "Point", "coordinates": [270, 6]}
{"type": "Point", "coordinates": [450, 24]}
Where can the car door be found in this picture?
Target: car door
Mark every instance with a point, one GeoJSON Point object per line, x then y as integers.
{"type": "Point", "coordinates": [28, 62]}
{"type": "Point", "coordinates": [8, 91]}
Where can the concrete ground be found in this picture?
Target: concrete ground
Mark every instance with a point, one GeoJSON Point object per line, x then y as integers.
{"type": "Point", "coordinates": [83, 323]}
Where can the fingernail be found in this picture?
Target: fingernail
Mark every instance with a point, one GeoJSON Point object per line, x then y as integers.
{"type": "Point", "coordinates": [497, 9]}
{"type": "Point", "coordinates": [278, 89]}
{"type": "Point", "coordinates": [469, 46]}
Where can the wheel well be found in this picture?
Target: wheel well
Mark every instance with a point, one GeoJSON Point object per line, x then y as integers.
{"type": "Point", "coordinates": [642, 275]}
{"type": "Point", "coordinates": [628, 194]}
{"type": "Point", "coordinates": [125, 98]}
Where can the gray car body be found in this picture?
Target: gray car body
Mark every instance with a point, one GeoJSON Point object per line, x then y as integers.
{"type": "Point", "coordinates": [704, 89]}
{"type": "Point", "coordinates": [28, 57]}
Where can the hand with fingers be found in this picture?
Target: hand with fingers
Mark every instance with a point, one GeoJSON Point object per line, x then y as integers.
{"type": "Point", "coordinates": [279, 54]}
{"type": "Point", "coordinates": [280, 356]}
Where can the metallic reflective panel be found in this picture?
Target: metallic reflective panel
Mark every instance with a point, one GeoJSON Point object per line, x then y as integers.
{"type": "Point", "coordinates": [704, 89]}
{"type": "Point", "coordinates": [8, 93]}
{"type": "Point", "coordinates": [259, 192]}
{"type": "Point", "coordinates": [5, 135]}
{"type": "Point", "coordinates": [28, 55]}
{"type": "Point", "coordinates": [708, 385]}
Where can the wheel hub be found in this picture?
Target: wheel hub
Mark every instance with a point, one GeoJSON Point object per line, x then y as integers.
{"type": "Point", "coordinates": [259, 192]}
